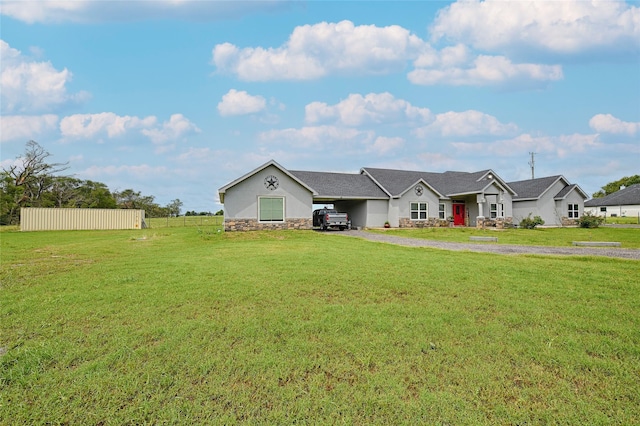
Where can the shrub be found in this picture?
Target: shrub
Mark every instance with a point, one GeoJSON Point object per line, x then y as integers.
{"type": "Point", "coordinates": [529, 223]}
{"type": "Point", "coordinates": [589, 220]}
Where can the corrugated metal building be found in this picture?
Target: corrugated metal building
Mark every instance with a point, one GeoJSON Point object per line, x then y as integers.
{"type": "Point", "coordinates": [58, 219]}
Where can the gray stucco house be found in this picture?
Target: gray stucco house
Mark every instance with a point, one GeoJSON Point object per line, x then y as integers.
{"type": "Point", "coordinates": [553, 198]}
{"type": "Point", "coordinates": [272, 197]}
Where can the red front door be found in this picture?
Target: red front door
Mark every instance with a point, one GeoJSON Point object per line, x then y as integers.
{"type": "Point", "coordinates": [458, 214]}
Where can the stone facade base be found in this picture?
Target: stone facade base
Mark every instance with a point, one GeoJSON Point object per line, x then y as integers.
{"type": "Point", "coordinates": [565, 221]}
{"type": "Point", "coordinates": [498, 223]}
{"type": "Point", "coordinates": [432, 222]}
{"type": "Point", "coordinates": [254, 225]}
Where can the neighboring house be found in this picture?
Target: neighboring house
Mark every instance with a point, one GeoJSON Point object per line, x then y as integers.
{"type": "Point", "coordinates": [553, 198]}
{"type": "Point", "coordinates": [272, 197]}
{"type": "Point", "coordinates": [625, 202]}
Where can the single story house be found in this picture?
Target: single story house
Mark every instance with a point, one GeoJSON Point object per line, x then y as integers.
{"type": "Point", "coordinates": [553, 198]}
{"type": "Point", "coordinates": [625, 202]}
{"type": "Point", "coordinates": [272, 197]}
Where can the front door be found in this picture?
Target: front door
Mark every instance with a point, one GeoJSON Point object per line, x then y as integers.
{"type": "Point", "coordinates": [458, 214]}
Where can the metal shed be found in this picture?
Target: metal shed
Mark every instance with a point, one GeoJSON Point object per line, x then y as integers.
{"type": "Point", "coordinates": [58, 219]}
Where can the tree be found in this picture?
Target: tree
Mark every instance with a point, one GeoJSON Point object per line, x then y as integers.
{"type": "Point", "coordinates": [174, 207]}
{"type": "Point", "coordinates": [26, 181]}
{"type": "Point", "coordinates": [615, 186]}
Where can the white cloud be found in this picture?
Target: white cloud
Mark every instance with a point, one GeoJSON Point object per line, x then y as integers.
{"type": "Point", "coordinates": [319, 137]}
{"type": "Point", "coordinates": [30, 86]}
{"type": "Point", "coordinates": [86, 11]}
{"type": "Point", "coordinates": [113, 126]}
{"type": "Point", "coordinates": [467, 123]}
{"type": "Point", "coordinates": [142, 171]}
{"type": "Point", "coordinates": [92, 125]}
{"type": "Point", "coordinates": [607, 123]}
{"type": "Point", "coordinates": [384, 145]}
{"type": "Point", "coordinates": [482, 71]}
{"type": "Point", "coordinates": [373, 108]}
{"type": "Point", "coordinates": [567, 27]}
{"type": "Point", "coordinates": [314, 51]}
{"type": "Point", "coordinates": [177, 127]}
{"type": "Point", "coordinates": [240, 103]}
{"type": "Point", "coordinates": [560, 146]}
{"type": "Point", "coordinates": [26, 127]}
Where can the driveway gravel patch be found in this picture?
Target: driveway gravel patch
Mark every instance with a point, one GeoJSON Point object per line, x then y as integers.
{"type": "Point", "coordinates": [621, 253]}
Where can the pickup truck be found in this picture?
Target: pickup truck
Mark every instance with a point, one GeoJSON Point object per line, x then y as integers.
{"type": "Point", "coordinates": [330, 218]}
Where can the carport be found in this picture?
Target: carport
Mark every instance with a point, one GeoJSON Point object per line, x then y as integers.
{"type": "Point", "coordinates": [355, 194]}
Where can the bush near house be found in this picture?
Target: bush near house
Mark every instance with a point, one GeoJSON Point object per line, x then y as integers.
{"type": "Point", "coordinates": [529, 223]}
{"type": "Point", "coordinates": [589, 220]}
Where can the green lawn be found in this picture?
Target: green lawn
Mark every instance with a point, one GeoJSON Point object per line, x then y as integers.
{"type": "Point", "coordinates": [190, 325]}
{"type": "Point", "coordinates": [628, 237]}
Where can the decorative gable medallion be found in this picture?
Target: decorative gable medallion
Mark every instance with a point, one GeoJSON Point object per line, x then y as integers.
{"type": "Point", "coordinates": [419, 190]}
{"type": "Point", "coordinates": [271, 182]}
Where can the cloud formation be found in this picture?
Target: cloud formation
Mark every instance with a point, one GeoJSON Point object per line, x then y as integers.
{"type": "Point", "coordinates": [112, 126]}
{"type": "Point", "coordinates": [607, 123]}
{"type": "Point", "coordinates": [560, 27]}
{"type": "Point", "coordinates": [314, 51]}
{"type": "Point", "coordinates": [26, 127]}
{"type": "Point", "coordinates": [28, 86]}
{"type": "Point", "coordinates": [373, 108]}
{"type": "Point", "coordinates": [466, 123]}
{"type": "Point", "coordinates": [236, 102]}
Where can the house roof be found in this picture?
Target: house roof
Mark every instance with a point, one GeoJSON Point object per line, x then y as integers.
{"type": "Point", "coordinates": [446, 184]}
{"type": "Point", "coordinates": [533, 189]}
{"type": "Point", "coordinates": [340, 185]}
{"type": "Point", "coordinates": [624, 197]}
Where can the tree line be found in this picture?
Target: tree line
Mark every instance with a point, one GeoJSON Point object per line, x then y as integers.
{"type": "Point", "coordinates": [33, 181]}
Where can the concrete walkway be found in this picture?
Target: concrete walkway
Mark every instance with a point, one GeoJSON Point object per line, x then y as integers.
{"type": "Point", "coordinates": [495, 248]}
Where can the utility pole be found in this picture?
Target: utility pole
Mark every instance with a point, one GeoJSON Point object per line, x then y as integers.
{"type": "Point", "coordinates": [532, 164]}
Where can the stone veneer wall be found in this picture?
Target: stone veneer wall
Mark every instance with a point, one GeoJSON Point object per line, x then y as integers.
{"type": "Point", "coordinates": [432, 222]}
{"type": "Point", "coordinates": [565, 221]}
{"type": "Point", "coordinates": [498, 223]}
{"type": "Point", "coordinates": [254, 225]}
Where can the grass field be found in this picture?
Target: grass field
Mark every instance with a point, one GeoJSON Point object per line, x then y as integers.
{"type": "Point", "coordinates": [189, 325]}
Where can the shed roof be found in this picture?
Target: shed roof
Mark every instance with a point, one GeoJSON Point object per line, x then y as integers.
{"type": "Point", "coordinates": [624, 197]}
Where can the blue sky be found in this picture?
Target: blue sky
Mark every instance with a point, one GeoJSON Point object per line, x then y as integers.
{"type": "Point", "coordinates": [177, 98]}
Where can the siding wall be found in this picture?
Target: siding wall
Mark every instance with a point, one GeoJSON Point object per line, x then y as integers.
{"type": "Point", "coordinates": [59, 219]}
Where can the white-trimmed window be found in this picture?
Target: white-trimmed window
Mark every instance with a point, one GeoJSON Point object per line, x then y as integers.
{"type": "Point", "coordinates": [441, 211]}
{"type": "Point", "coordinates": [419, 211]}
{"type": "Point", "coordinates": [574, 212]}
{"type": "Point", "coordinates": [493, 210]}
{"type": "Point", "coordinates": [271, 209]}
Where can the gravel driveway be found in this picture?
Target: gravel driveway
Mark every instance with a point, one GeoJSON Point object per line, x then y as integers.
{"type": "Point", "coordinates": [496, 248]}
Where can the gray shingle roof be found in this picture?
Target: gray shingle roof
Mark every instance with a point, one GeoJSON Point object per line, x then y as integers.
{"type": "Point", "coordinates": [532, 188]}
{"type": "Point", "coordinates": [565, 191]}
{"type": "Point", "coordinates": [625, 197]}
{"type": "Point", "coordinates": [336, 185]}
{"type": "Point", "coordinates": [447, 183]}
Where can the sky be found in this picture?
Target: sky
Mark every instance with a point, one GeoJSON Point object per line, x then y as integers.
{"type": "Point", "coordinates": [175, 99]}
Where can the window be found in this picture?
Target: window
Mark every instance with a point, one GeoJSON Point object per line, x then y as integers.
{"type": "Point", "coordinates": [574, 213]}
{"type": "Point", "coordinates": [603, 209]}
{"type": "Point", "coordinates": [441, 211]}
{"type": "Point", "coordinates": [418, 211]}
{"type": "Point", "coordinates": [271, 209]}
{"type": "Point", "coordinates": [494, 211]}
